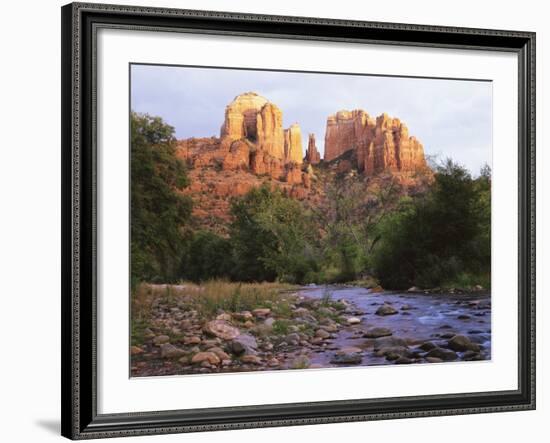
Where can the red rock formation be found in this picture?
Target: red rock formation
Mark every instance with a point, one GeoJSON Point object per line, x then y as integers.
{"type": "Point", "coordinates": [293, 144]}
{"type": "Point", "coordinates": [241, 116]}
{"type": "Point", "coordinates": [380, 145]}
{"type": "Point", "coordinates": [313, 156]}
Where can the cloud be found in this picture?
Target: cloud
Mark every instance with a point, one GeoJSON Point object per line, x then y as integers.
{"type": "Point", "coordinates": [452, 118]}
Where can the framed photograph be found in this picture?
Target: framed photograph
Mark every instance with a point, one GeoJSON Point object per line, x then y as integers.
{"type": "Point", "coordinates": [273, 221]}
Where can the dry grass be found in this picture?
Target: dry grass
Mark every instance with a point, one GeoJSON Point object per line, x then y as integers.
{"type": "Point", "coordinates": [212, 297]}
{"type": "Point", "coordinates": [220, 295]}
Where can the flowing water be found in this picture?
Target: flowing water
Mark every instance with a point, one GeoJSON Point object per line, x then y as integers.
{"type": "Point", "coordinates": [421, 317]}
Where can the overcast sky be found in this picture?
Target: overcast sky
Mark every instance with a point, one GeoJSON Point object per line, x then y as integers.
{"type": "Point", "coordinates": [452, 118]}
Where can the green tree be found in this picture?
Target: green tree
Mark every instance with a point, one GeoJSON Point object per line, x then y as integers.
{"type": "Point", "coordinates": [350, 215]}
{"type": "Point", "coordinates": [438, 237]}
{"type": "Point", "coordinates": [270, 237]}
{"type": "Point", "coordinates": [159, 212]}
{"type": "Point", "coordinates": [208, 256]}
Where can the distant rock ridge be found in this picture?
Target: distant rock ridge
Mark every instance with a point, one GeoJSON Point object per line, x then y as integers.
{"type": "Point", "coordinates": [380, 144]}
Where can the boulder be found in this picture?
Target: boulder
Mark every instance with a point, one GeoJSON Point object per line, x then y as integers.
{"type": "Point", "coordinates": [462, 343]}
{"type": "Point", "coordinates": [252, 359]}
{"type": "Point", "coordinates": [443, 354]}
{"type": "Point", "coordinates": [168, 350]}
{"type": "Point", "coordinates": [209, 357]}
{"type": "Point", "coordinates": [244, 344]}
{"type": "Point", "coordinates": [321, 333]}
{"type": "Point", "coordinates": [136, 350]}
{"type": "Point", "coordinates": [161, 339]}
{"type": "Point", "coordinates": [221, 329]}
{"type": "Point", "coordinates": [386, 309]}
{"type": "Point", "coordinates": [261, 312]}
{"type": "Point", "coordinates": [378, 332]}
{"type": "Point", "coordinates": [348, 356]}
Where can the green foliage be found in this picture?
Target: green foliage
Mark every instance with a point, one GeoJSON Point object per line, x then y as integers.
{"type": "Point", "coordinates": [159, 213]}
{"type": "Point", "coordinates": [350, 217]}
{"type": "Point", "coordinates": [208, 256]}
{"type": "Point", "coordinates": [270, 236]}
{"type": "Point", "coordinates": [439, 235]}
{"type": "Point", "coordinates": [281, 327]}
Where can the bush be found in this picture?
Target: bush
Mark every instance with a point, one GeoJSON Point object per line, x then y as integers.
{"type": "Point", "coordinates": [438, 236]}
{"type": "Point", "coordinates": [208, 256]}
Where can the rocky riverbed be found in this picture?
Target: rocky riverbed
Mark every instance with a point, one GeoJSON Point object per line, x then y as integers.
{"type": "Point", "coordinates": [319, 327]}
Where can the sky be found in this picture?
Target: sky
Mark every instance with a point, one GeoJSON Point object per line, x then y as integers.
{"type": "Point", "coordinates": [451, 118]}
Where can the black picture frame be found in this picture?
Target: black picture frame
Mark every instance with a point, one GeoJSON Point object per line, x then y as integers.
{"type": "Point", "coordinates": [79, 392]}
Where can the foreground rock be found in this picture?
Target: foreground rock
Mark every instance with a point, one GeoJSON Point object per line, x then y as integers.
{"type": "Point", "coordinates": [209, 357]}
{"type": "Point", "coordinates": [378, 332]}
{"type": "Point", "coordinates": [443, 354]}
{"type": "Point", "coordinates": [386, 310]}
{"type": "Point", "coordinates": [168, 350]}
{"type": "Point", "coordinates": [348, 356]}
{"type": "Point", "coordinates": [462, 343]}
{"type": "Point", "coordinates": [221, 329]}
{"type": "Point", "coordinates": [244, 344]}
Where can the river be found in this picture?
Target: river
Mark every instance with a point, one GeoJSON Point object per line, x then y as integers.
{"type": "Point", "coordinates": [420, 318]}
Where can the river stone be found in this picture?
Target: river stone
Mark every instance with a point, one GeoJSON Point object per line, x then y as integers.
{"type": "Point", "coordinates": [161, 339]}
{"type": "Point", "coordinates": [350, 355]}
{"type": "Point", "coordinates": [224, 316]}
{"type": "Point", "coordinates": [447, 335]}
{"type": "Point", "coordinates": [252, 359]}
{"type": "Point", "coordinates": [433, 360]}
{"type": "Point", "coordinates": [300, 362]}
{"type": "Point", "coordinates": [382, 342]}
{"type": "Point", "coordinates": [168, 350]}
{"type": "Point", "coordinates": [386, 310]}
{"type": "Point", "coordinates": [209, 357]}
{"type": "Point", "coordinates": [404, 361]}
{"type": "Point", "coordinates": [353, 321]}
{"type": "Point", "coordinates": [222, 355]}
{"type": "Point", "coordinates": [193, 340]}
{"type": "Point", "coordinates": [464, 317]}
{"type": "Point", "coordinates": [221, 329]}
{"type": "Point", "coordinates": [427, 346]}
{"type": "Point", "coordinates": [136, 350]}
{"type": "Point", "coordinates": [243, 316]}
{"type": "Point", "coordinates": [261, 312]}
{"type": "Point", "coordinates": [462, 343]}
{"type": "Point", "coordinates": [244, 344]}
{"type": "Point", "coordinates": [300, 312]}
{"type": "Point", "coordinates": [392, 351]}
{"type": "Point", "coordinates": [378, 332]}
{"type": "Point", "coordinates": [443, 354]}
{"type": "Point", "coordinates": [321, 333]}
{"type": "Point", "coordinates": [472, 356]}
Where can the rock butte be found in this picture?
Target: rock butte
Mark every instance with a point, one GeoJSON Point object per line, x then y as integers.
{"type": "Point", "coordinates": [253, 146]}
{"type": "Point", "coordinates": [381, 144]}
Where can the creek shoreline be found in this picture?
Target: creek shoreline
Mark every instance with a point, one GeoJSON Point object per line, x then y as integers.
{"type": "Point", "coordinates": [328, 326]}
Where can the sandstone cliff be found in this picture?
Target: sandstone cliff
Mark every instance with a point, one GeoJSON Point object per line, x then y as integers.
{"type": "Point", "coordinates": [381, 144]}
{"type": "Point", "coordinates": [254, 149]}
{"type": "Point", "coordinates": [313, 156]}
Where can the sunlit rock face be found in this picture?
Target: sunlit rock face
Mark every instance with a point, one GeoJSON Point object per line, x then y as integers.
{"type": "Point", "coordinates": [381, 144]}
{"type": "Point", "coordinates": [252, 117]}
{"type": "Point", "coordinates": [313, 157]}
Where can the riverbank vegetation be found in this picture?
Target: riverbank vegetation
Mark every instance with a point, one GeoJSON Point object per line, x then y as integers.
{"type": "Point", "coordinates": [365, 229]}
